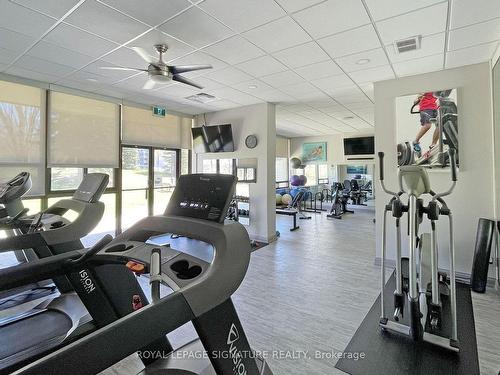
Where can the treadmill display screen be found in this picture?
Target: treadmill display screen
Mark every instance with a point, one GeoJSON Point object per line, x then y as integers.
{"type": "Point", "coordinates": [202, 196]}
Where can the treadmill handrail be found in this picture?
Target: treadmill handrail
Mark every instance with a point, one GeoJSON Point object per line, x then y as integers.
{"type": "Point", "coordinates": [134, 331]}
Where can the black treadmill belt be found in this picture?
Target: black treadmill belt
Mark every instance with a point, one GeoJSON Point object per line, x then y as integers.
{"type": "Point", "coordinates": [32, 335]}
{"type": "Point", "coordinates": [388, 353]}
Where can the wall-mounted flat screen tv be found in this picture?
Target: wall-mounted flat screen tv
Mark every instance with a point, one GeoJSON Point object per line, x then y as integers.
{"type": "Point", "coordinates": [216, 138]}
{"type": "Point", "coordinates": [359, 146]}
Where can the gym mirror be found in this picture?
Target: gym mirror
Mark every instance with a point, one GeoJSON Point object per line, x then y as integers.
{"type": "Point", "coordinates": [427, 126]}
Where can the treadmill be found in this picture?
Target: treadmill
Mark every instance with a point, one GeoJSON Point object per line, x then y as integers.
{"type": "Point", "coordinates": [54, 310]}
{"type": "Point", "coordinates": [201, 291]}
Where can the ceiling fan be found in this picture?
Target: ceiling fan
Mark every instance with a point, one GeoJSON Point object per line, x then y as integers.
{"type": "Point", "coordinates": [159, 72]}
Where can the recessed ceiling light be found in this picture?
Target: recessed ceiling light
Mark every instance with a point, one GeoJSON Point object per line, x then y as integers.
{"type": "Point", "coordinates": [349, 118]}
{"type": "Point", "coordinates": [362, 61]}
{"type": "Point", "coordinates": [252, 86]}
{"type": "Point", "coordinates": [91, 79]}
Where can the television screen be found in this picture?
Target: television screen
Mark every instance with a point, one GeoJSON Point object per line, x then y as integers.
{"type": "Point", "coordinates": [217, 138]}
{"type": "Point", "coordinates": [359, 146]}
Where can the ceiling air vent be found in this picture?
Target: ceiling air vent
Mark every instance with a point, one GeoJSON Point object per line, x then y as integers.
{"type": "Point", "coordinates": [201, 98]}
{"type": "Point", "coordinates": [409, 44]}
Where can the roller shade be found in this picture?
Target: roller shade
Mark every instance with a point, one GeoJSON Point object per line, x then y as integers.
{"type": "Point", "coordinates": [140, 127]}
{"type": "Point", "coordinates": [22, 134]}
{"type": "Point", "coordinates": [281, 147]}
{"type": "Point", "coordinates": [82, 132]}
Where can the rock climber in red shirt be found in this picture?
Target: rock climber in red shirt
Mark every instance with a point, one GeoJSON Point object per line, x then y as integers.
{"type": "Point", "coordinates": [428, 105]}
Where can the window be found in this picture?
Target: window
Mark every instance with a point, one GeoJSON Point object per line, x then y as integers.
{"type": "Point", "coordinates": [310, 173]}
{"type": "Point", "coordinates": [225, 166]}
{"type": "Point", "coordinates": [322, 173]}
{"type": "Point", "coordinates": [22, 134]}
{"type": "Point", "coordinates": [209, 166]}
{"type": "Point", "coordinates": [65, 178]}
{"type": "Point", "coordinates": [185, 162]}
{"type": "Point", "coordinates": [281, 169]}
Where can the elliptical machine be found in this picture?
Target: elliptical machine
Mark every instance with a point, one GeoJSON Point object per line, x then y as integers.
{"type": "Point", "coordinates": [417, 277]}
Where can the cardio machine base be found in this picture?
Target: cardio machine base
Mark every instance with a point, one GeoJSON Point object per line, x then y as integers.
{"type": "Point", "coordinates": [394, 353]}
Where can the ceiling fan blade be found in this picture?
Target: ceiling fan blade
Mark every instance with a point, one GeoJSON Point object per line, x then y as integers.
{"type": "Point", "coordinates": [178, 69]}
{"type": "Point", "coordinates": [149, 84]}
{"type": "Point", "coordinates": [182, 79]}
{"type": "Point", "coordinates": [120, 68]}
{"type": "Point", "coordinates": [143, 54]}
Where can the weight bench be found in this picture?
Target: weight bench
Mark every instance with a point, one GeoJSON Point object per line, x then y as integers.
{"type": "Point", "coordinates": [293, 213]}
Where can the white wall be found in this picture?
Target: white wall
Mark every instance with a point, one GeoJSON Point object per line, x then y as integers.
{"type": "Point", "coordinates": [260, 120]}
{"type": "Point", "coordinates": [496, 111]}
{"type": "Point", "coordinates": [474, 195]}
{"type": "Point", "coordinates": [334, 151]}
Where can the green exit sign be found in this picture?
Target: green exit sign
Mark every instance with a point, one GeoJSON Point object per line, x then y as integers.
{"type": "Point", "coordinates": [159, 111]}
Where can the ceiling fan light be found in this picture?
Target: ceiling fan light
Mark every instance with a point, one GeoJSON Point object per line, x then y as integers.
{"type": "Point", "coordinates": [159, 78]}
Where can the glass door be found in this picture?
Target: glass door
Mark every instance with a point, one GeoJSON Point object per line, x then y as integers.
{"type": "Point", "coordinates": [135, 184]}
{"type": "Point", "coordinates": [165, 172]}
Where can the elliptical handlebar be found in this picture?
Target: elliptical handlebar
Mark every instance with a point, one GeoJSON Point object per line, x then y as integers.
{"type": "Point", "coordinates": [453, 169]}
{"type": "Point", "coordinates": [381, 166]}
{"type": "Point", "coordinates": [453, 163]}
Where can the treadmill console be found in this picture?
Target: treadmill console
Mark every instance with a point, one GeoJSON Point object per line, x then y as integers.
{"type": "Point", "coordinates": [202, 196]}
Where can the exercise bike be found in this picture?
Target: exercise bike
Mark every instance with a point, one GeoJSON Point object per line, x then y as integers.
{"type": "Point", "coordinates": [339, 199]}
{"type": "Point", "coordinates": [417, 277]}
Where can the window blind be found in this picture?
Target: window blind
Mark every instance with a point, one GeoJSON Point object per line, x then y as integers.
{"type": "Point", "coordinates": [22, 134]}
{"type": "Point", "coordinates": [140, 127]}
{"type": "Point", "coordinates": [82, 132]}
{"type": "Point", "coordinates": [281, 147]}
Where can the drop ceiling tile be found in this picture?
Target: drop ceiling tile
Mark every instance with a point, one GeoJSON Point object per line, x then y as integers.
{"type": "Point", "coordinates": [244, 14]}
{"type": "Point", "coordinates": [360, 39]}
{"type": "Point", "coordinates": [350, 63]}
{"type": "Point", "coordinates": [147, 11]}
{"type": "Point", "coordinates": [304, 54]}
{"type": "Point", "coordinates": [358, 97]}
{"type": "Point", "coordinates": [14, 41]}
{"type": "Point", "coordinates": [327, 103]}
{"type": "Point", "coordinates": [56, 54]}
{"type": "Point", "coordinates": [296, 5]}
{"type": "Point", "coordinates": [346, 91]}
{"type": "Point", "coordinates": [7, 56]}
{"type": "Point", "coordinates": [282, 79]}
{"type": "Point", "coordinates": [299, 88]}
{"type": "Point", "coordinates": [196, 28]}
{"type": "Point", "coordinates": [134, 83]}
{"type": "Point", "coordinates": [471, 55]}
{"type": "Point", "coordinates": [17, 18]}
{"type": "Point", "coordinates": [328, 84]}
{"type": "Point", "coordinates": [381, 9]}
{"type": "Point", "coordinates": [418, 66]}
{"type": "Point", "coordinates": [380, 73]}
{"type": "Point", "coordinates": [466, 12]}
{"type": "Point", "coordinates": [262, 66]}
{"type": "Point", "coordinates": [176, 48]}
{"type": "Point", "coordinates": [104, 75]}
{"type": "Point", "coordinates": [308, 96]}
{"type": "Point", "coordinates": [43, 66]}
{"type": "Point", "coordinates": [423, 22]}
{"type": "Point", "coordinates": [3, 67]}
{"type": "Point", "coordinates": [53, 8]}
{"type": "Point", "coordinates": [430, 45]}
{"type": "Point", "coordinates": [332, 16]}
{"type": "Point", "coordinates": [319, 70]}
{"type": "Point", "coordinates": [106, 22]}
{"type": "Point", "coordinates": [274, 96]}
{"type": "Point", "coordinates": [234, 50]}
{"type": "Point", "coordinates": [88, 44]}
{"type": "Point", "coordinates": [26, 73]}
{"type": "Point", "coordinates": [252, 86]}
{"type": "Point", "coordinates": [476, 34]}
{"type": "Point", "coordinates": [207, 83]}
{"type": "Point", "coordinates": [80, 85]}
{"type": "Point", "coordinates": [278, 35]}
{"type": "Point", "coordinates": [229, 76]}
